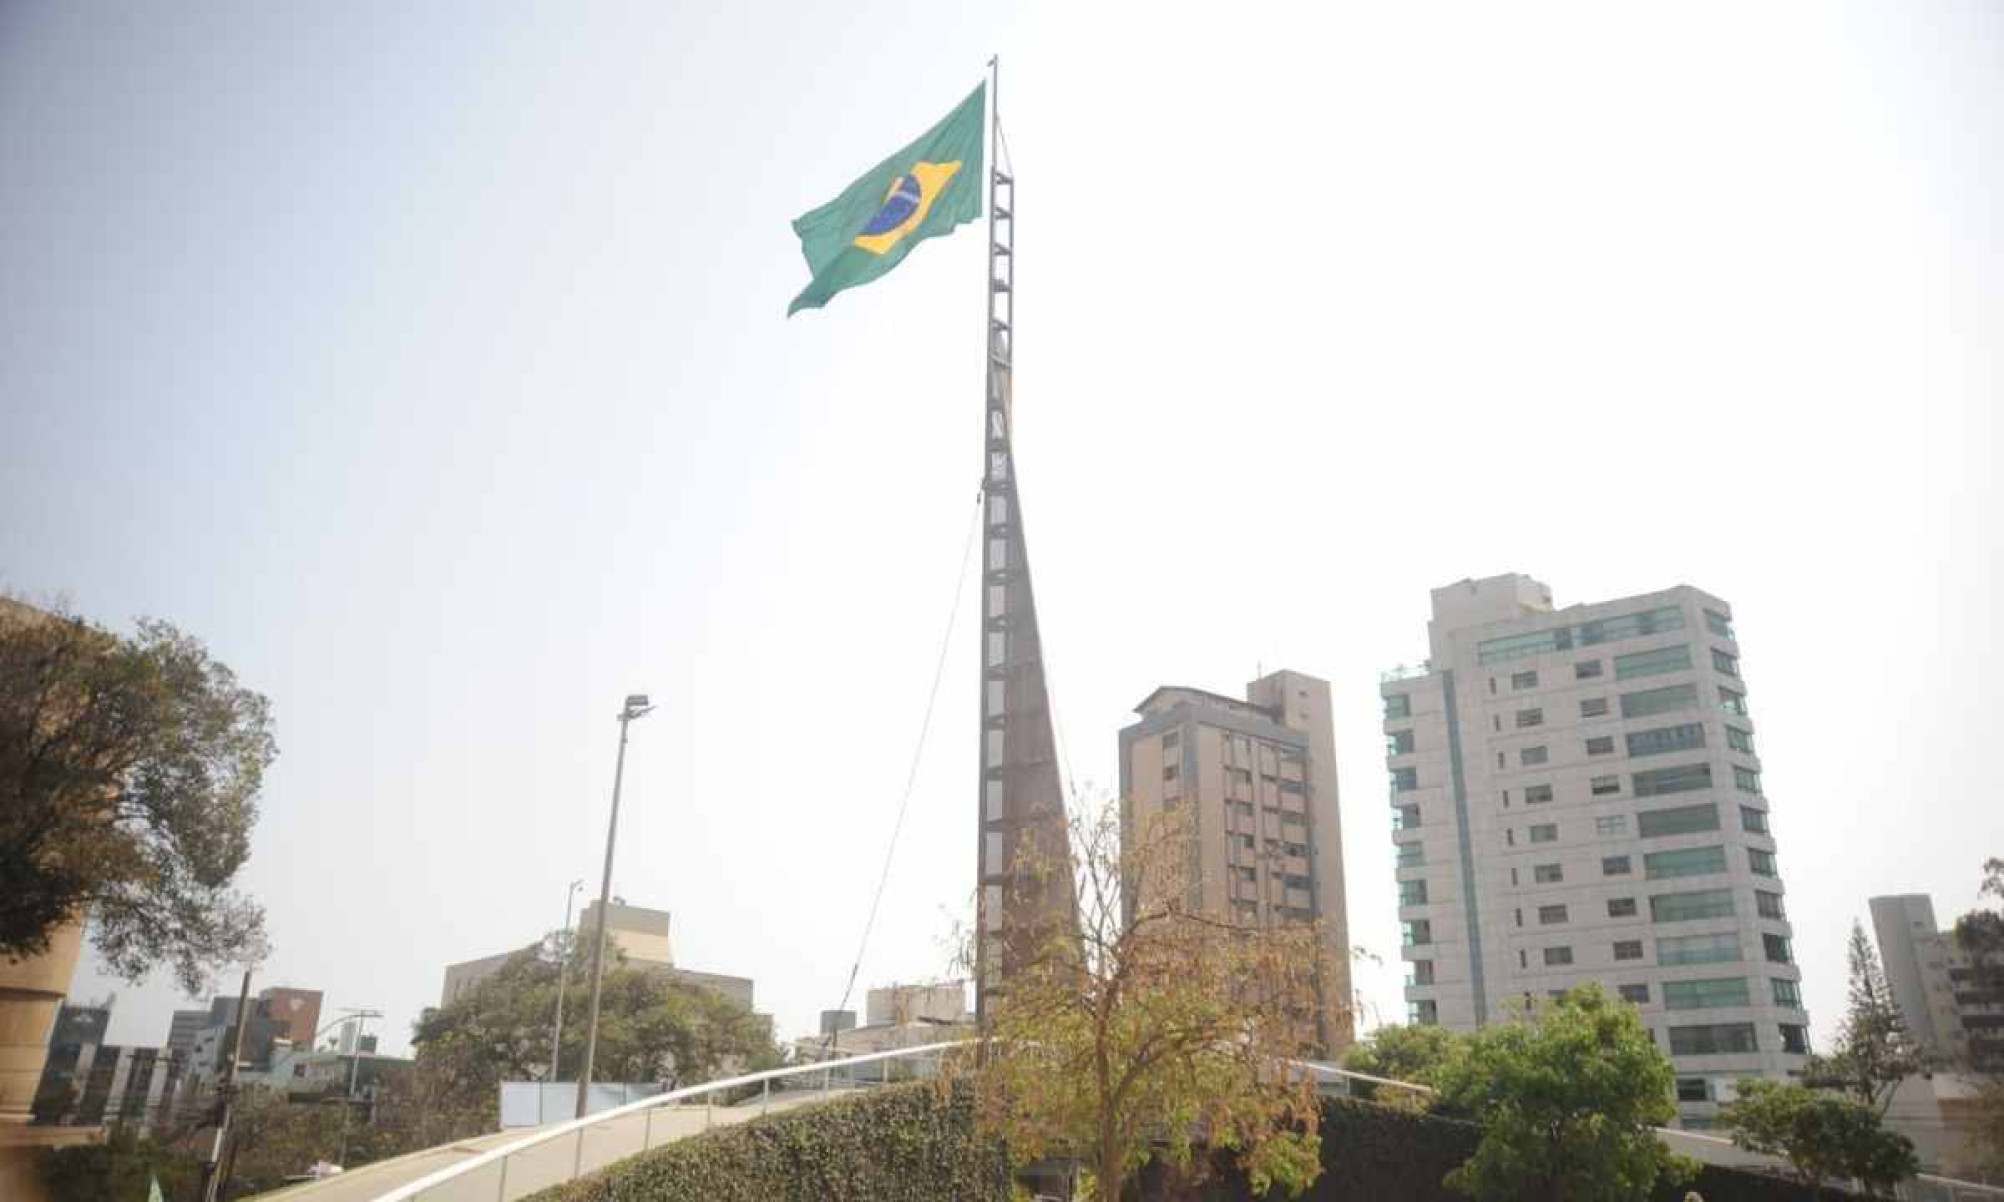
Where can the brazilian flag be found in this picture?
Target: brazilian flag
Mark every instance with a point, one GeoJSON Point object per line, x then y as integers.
{"type": "Point", "coordinates": [922, 191]}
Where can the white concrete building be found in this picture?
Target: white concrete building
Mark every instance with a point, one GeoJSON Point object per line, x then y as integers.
{"type": "Point", "coordinates": [1576, 798]}
{"type": "Point", "coordinates": [1949, 1006]}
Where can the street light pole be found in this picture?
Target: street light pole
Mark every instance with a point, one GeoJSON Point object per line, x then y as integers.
{"type": "Point", "coordinates": [636, 706]}
{"type": "Point", "coordinates": [563, 972]}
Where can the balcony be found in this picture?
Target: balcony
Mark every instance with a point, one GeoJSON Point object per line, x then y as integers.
{"type": "Point", "coordinates": [1397, 673]}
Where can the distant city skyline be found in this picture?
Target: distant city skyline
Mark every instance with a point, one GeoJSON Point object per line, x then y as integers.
{"type": "Point", "coordinates": [428, 364]}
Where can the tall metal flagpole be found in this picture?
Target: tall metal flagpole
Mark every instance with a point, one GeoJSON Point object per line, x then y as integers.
{"type": "Point", "coordinates": [995, 485]}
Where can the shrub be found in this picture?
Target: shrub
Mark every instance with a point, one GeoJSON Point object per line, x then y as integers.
{"type": "Point", "coordinates": [901, 1143]}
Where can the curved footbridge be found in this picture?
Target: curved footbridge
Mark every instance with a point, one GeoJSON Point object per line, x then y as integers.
{"type": "Point", "coordinates": [511, 1165]}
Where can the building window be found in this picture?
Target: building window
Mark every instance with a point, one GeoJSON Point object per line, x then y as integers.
{"type": "Point", "coordinates": [1762, 862]}
{"type": "Point", "coordinates": [1718, 624]}
{"type": "Point", "coordinates": [1787, 993]}
{"type": "Point", "coordinates": [1746, 780]}
{"type": "Point", "coordinates": [1405, 818]}
{"type": "Point", "coordinates": [1398, 705]}
{"type": "Point", "coordinates": [1795, 1039]}
{"type": "Point", "coordinates": [1546, 832]}
{"type": "Point", "coordinates": [1706, 994]}
{"type": "Point", "coordinates": [1556, 956]}
{"type": "Point", "coordinates": [1687, 907]}
{"type": "Point", "coordinates": [1405, 780]}
{"type": "Point", "coordinates": [1739, 740]}
{"type": "Point", "coordinates": [1653, 663]}
{"type": "Point", "coordinates": [1524, 680]}
{"type": "Point", "coordinates": [1400, 743]}
{"type": "Point", "coordinates": [1600, 745]}
{"type": "Point", "coordinates": [1725, 665]}
{"type": "Point", "coordinates": [1536, 794]}
{"type": "Point", "coordinates": [1416, 933]}
{"type": "Point", "coordinates": [1614, 866]}
{"type": "Point", "coordinates": [1681, 779]}
{"type": "Point", "coordinates": [1604, 785]}
{"type": "Point", "coordinates": [1659, 701]}
{"type": "Point", "coordinates": [1593, 707]}
{"type": "Point", "coordinates": [1548, 874]}
{"type": "Point", "coordinates": [1423, 1013]}
{"type": "Point", "coordinates": [1611, 824]}
{"type": "Point", "coordinates": [1722, 948]}
{"type": "Point", "coordinates": [1168, 772]}
{"type": "Point", "coordinates": [1733, 703]}
{"type": "Point", "coordinates": [1679, 820]}
{"type": "Point", "coordinates": [1690, 861]}
{"type": "Point", "coordinates": [1411, 855]}
{"type": "Point", "coordinates": [1586, 669]}
{"type": "Point", "coordinates": [1628, 949]}
{"type": "Point", "coordinates": [1694, 1089]}
{"type": "Point", "coordinates": [1634, 994]}
{"type": "Point", "coordinates": [1530, 717]}
{"type": "Point", "coordinates": [1717, 1039]}
{"type": "Point", "coordinates": [1753, 820]}
{"type": "Point", "coordinates": [1632, 626]}
{"type": "Point", "coordinates": [1551, 915]}
{"type": "Point", "coordinates": [1777, 949]}
{"type": "Point", "coordinates": [1663, 739]}
{"type": "Point", "coordinates": [1422, 973]}
{"type": "Point", "coordinates": [1531, 756]}
{"type": "Point", "coordinates": [1768, 905]}
{"type": "Point", "coordinates": [1621, 907]}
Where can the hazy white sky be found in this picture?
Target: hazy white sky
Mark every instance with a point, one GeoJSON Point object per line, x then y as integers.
{"type": "Point", "coordinates": [428, 361]}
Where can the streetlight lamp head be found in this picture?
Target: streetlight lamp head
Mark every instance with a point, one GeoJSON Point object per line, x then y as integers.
{"type": "Point", "coordinates": [636, 701]}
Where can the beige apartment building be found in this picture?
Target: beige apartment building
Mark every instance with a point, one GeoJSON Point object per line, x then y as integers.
{"type": "Point", "coordinates": [637, 932]}
{"type": "Point", "coordinates": [1259, 776]}
{"type": "Point", "coordinates": [1948, 1005]}
{"type": "Point", "coordinates": [1576, 797]}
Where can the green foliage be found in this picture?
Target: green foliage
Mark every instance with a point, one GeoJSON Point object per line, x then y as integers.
{"type": "Point", "coordinates": [1376, 1153]}
{"type": "Point", "coordinates": [1566, 1098]}
{"type": "Point", "coordinates": [1980, 933]}
{"type": "Point", "coordinates": [1874, 1051]}
{"type": "Point", "coordinates": [900, 1143]}
{"type": "Point", "coordinates": [652, 1027]}
{"type": "Point", "coordinates": [120, 1168]}
{"type": "Point", "coordinates": [129, 773]}
{"type": "Point", "coordinates": [1824, 1136]}
{"type": "Point", "coordinates": [1415, 1054]}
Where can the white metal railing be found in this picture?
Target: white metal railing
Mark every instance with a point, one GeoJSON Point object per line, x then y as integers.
{"type": "Point", "coordinates": [539, 1156]}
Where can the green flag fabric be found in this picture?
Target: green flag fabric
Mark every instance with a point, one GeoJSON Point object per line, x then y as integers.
{"type": "Point", "coordinates": [922, 191]}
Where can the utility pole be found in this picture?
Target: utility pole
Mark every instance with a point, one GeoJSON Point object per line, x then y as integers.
{"type": "Point", "coordinates": [211, 1174]}
{"type": "Point", "coordinates": [563, 976]}
{"type": "Point", "coordinates": [636, 706]}
{"type": "Point", "coordinates": [354, 1070]}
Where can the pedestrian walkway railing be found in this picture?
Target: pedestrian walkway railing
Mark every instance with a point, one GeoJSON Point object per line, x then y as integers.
{"type": "Point", "coordinates": [565, 1151]}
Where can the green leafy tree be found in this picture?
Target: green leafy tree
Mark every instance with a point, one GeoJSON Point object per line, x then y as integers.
{"type": "Point", "coordinates": [1157, 1026]}
{"type": "Point", "coordinates": [652, 1027]}
{"type": "Point", "coordinates": [1823, 1136]}
{"type": "Point", "coordinates": [1980, 933]}
{"type": "Point", "coordinates": [1874, 1051]}
{"type": "Point", "coordinates": [123, 1166]}
{"type": "Point", "coordinates": [1567, 1097]}
{"type": "Point", "coordinates": [129, 774]}
{"type": "Point", "coordinates": [1415, 1054]}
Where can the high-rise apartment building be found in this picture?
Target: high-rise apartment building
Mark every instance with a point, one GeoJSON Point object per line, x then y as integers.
{"type": "Point", "coordinates": [1576, 798]}
{"type": "Point", "coordinates": [1259, 776]}
{"type": "Point", "coordinates": [1949, 1006]}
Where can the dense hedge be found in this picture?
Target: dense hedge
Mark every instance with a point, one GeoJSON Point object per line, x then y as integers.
{"type": "Point", "coordinates": [1372, 1153]}
{"type": "Point", "coordinates": [904, 1144]}
{"type": "Point", "coordinates": [901, 1143]}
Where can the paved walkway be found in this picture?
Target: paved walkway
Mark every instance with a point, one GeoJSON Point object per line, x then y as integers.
{"type": "Point", "coordinates": [540, 1167]}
